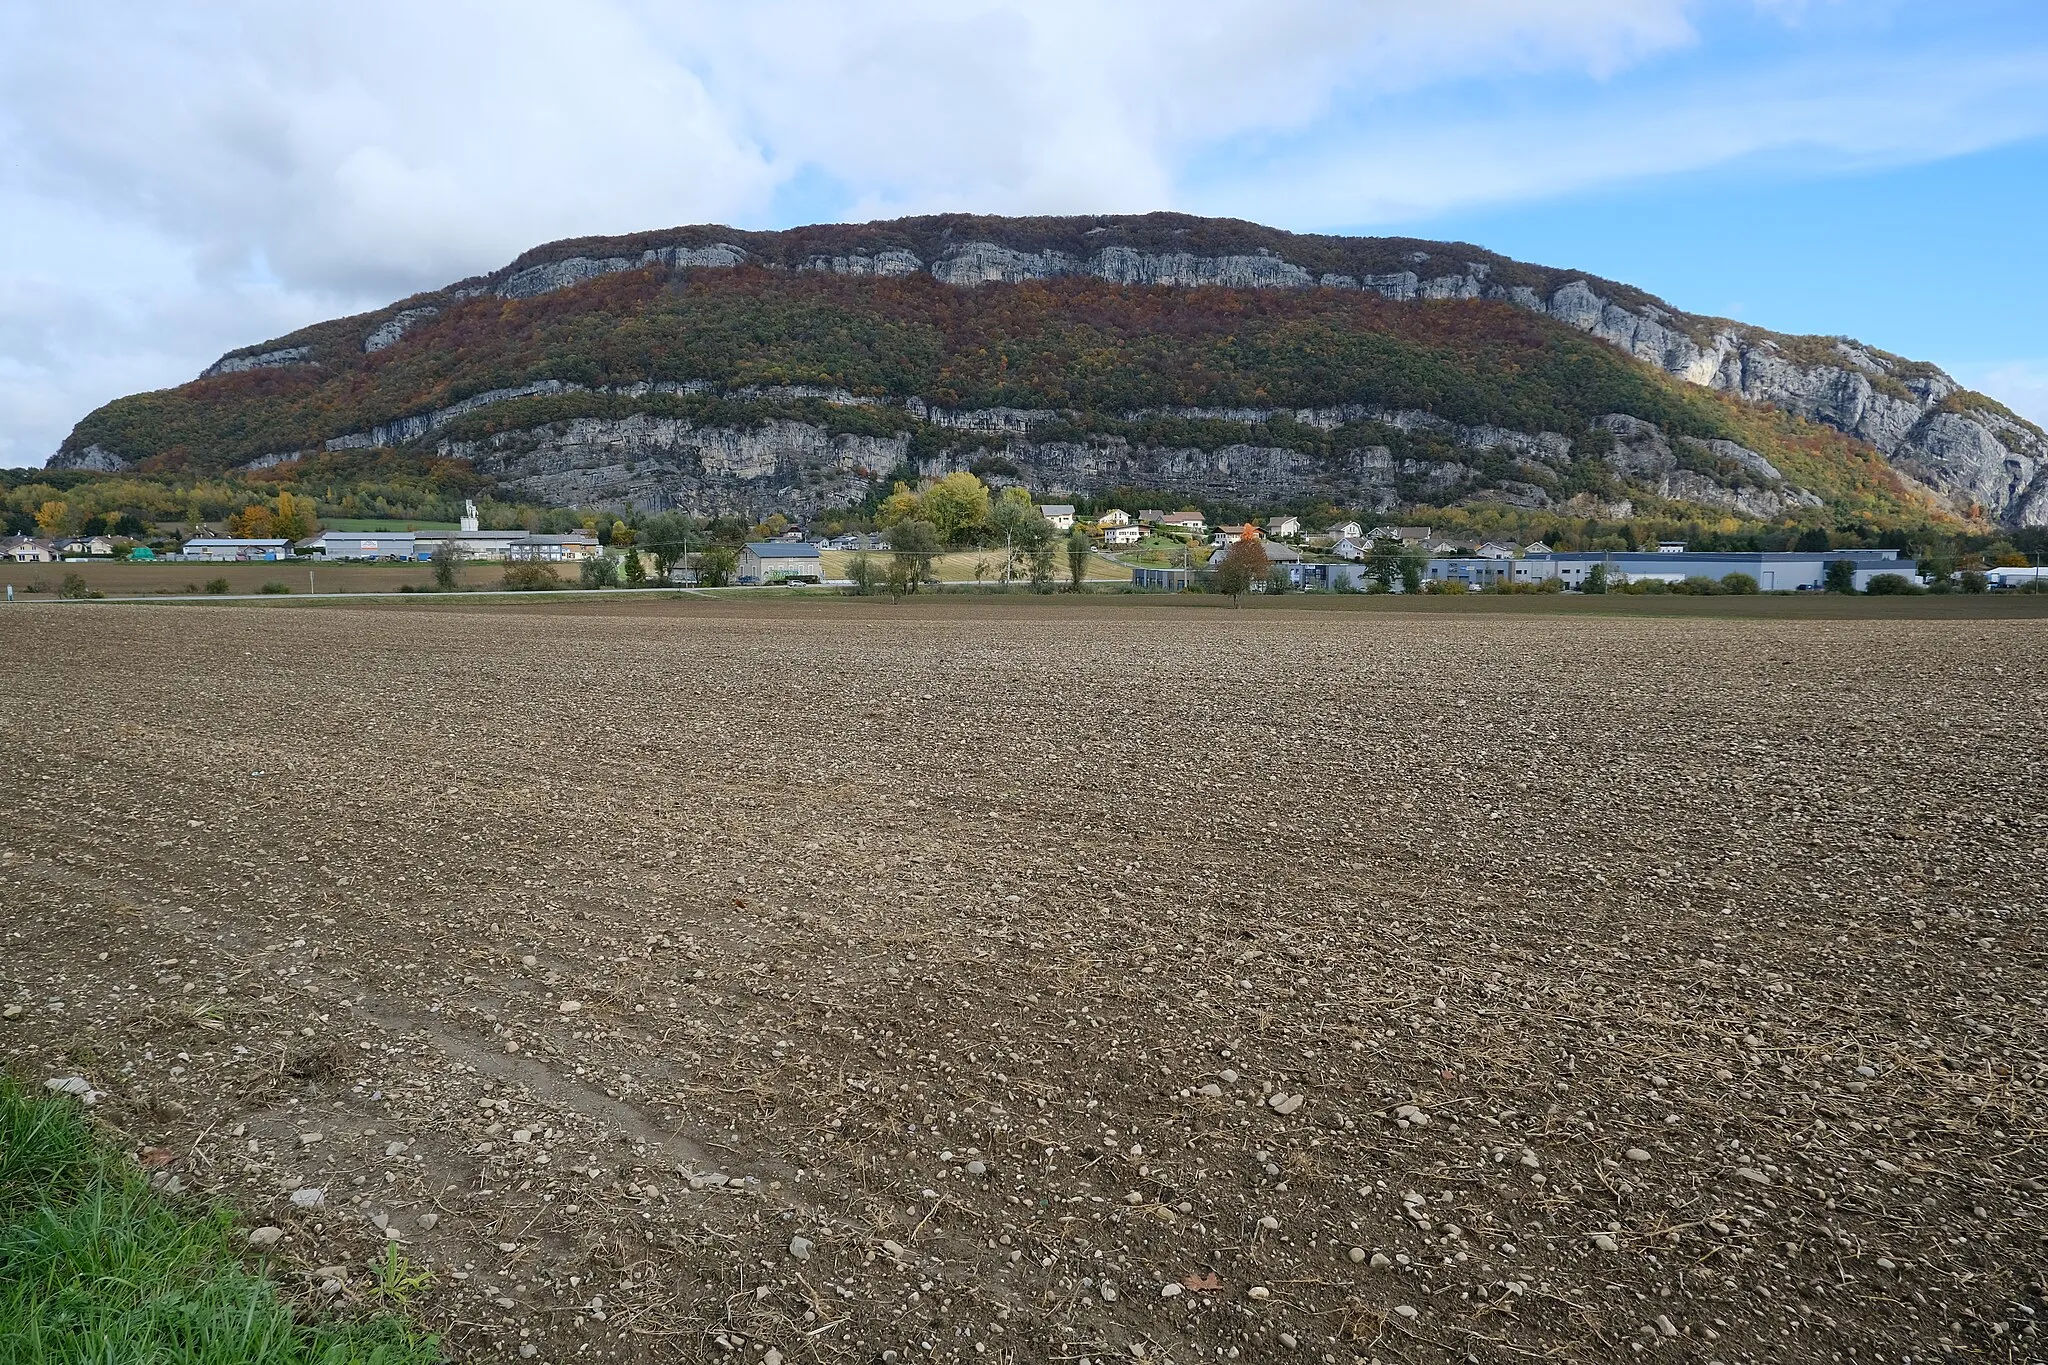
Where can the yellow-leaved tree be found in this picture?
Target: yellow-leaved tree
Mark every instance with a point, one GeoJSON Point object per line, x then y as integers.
{"type": "Point", "coordinates": [294, 518]}
{"type": "Point", "coordinates": [253, 522]}
{"type": "Point", "coordinates": [958, 505]}
{"type": "Point", "coordinates": [902, 505]}
{"type": "Point", "coordinates": [53, 518]}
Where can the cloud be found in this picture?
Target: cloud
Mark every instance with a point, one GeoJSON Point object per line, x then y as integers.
{"type": "Point", "coordinates": [2021, 385]}
{"type": "Point", "coordinates": [179, 180]}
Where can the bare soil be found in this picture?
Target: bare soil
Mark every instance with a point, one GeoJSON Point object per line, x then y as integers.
{"type": "Point", "coordinates": [795, 982]}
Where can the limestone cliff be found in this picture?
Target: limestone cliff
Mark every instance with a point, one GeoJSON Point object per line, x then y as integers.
{"type": "Point", "coordinates": [1975, 455]}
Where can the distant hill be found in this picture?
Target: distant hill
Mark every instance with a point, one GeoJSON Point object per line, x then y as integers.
{"type": "Point", "coordinates": [710, 369]}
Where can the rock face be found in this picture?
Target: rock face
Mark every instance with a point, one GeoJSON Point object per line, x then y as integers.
{"type": "Point", "coordinates": [1707, 473]}
{"type": "Point", "coordinates": [390, 332]}
{"type": "Point", "coordinates": [1977, 457]}
{"type": "Point", "coordinates": [264, 360]}
{"type": "Point", "coordinates": [664, 463]}
{"type": "Point", "coordinates": [1965, 448]}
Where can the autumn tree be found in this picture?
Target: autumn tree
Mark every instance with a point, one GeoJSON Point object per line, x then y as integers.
{"type": "Point", "coordinates": [253, 522]}
{"type": "Point", "coordinates": [903, 504]}
{"type": "Point", "coordinates": [1244, 564]}
{"type": "Point", "coordinates": [957, 505]}
{"type": "Point", "coordinates": [53, 518]}
{"type": "Point", "coordinates": [294, 518]}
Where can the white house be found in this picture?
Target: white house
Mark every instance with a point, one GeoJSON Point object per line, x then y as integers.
{"type": "Point", "coordinates": [86, 545]}
{"type": "Point", "coordinates": [1060, 514]}
{"type": "Point", "coordinates": [1494, 549]}
{"type": "Point", "coordinates": [1535, 547]}
{"type": "Point", "coordinates": [1115, 516]}
{"type": "Point", "coordinates": [1283, 526]}
{"type": "Point", "coordinates": [25, 550]}
{"type": "Point", "coordinates": [1350, 530]}
{"type": "Point", "coordinates": [1192, 523]}
{"type": "Point", "coordinates": [1122, 535]}
{"type": "Point", "coordinates": [1349, 548]}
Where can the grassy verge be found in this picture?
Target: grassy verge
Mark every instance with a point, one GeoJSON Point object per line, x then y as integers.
{"type": "Point", "coordinates": [95, 1266]}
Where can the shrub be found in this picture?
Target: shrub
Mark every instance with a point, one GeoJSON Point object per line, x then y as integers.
{"type": "Point", "coordinates": [1697, 585]}
{"type": "Point", "coordinates": [1840, 576]}
{"type": "Point", "coordinates": [1596, 579]}
{"type": "Point", "coordinates": [1973, 581]}
{"type": "Point", "coordinates": [274, 588]}
{"type": "Point", "coordinates": [530, 575]}
{"type": "Point", "coordinates": [216, 586]}
{"type": "Point", "coordinates": [864, 573]}
{"type": "Point", "coordinates": [1739, 583]}
{"type": "Point", "coordinates": [1892, 585]}
{"type": "Point", "coordinates": [74, 587]}
{"type": "Point", "coordinates": [601, 571]}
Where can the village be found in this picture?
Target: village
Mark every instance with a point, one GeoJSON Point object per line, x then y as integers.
{"type": "Point", "coordinates": [1151, 550]}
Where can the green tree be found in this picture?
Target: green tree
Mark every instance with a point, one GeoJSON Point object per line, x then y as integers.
{"type": "Point", "coordinates": [1739, 583]}
{"type": "Point", "coordinates": [1596, 580]}
{"type": "Point", "coordinates": [635, 571]}
{"type": "Point", "coordinates": [599, 571]}
{"type": "Point", "coordinates": [447, 559]}
{"type": "Point", "coordinates": [865, 574]}
{"type": "Point", "coordinates": [1044, 555]}
{"type": "Point", "coordinates": [1412, 565]}
{"type": "Point", "coordinates": [668, 538]}
{"type": "Point", "coordinates": [1244, 564]}
{"type": "Point", "coordinates": [1973, 580]}
{"type": "Point", "coordinates": [912, 547]}
{"type": "Point", "coordinates": [1016, 520]}
{"type": "Point", "coordinates": [1079, 547]}
{"type": "Point", "coordinates": [1383, 563]}
{"type": "Point", "coordinates": [1813, 541]}
{"type": "Point", "coordinates": [958, 505]}
{"type": "Point", "coordinates": [1839, 576]}
{"type": "Point", "coordinates": [716, 566]}
{"type": "Point", "coordinates": [1892, 585]}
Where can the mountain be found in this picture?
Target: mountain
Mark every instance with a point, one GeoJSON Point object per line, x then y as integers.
{"type": "Point", "coordinates": [713, 369]}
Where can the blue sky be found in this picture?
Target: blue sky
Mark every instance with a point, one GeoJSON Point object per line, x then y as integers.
{"type": "Point", "coordinates": [176, 181]}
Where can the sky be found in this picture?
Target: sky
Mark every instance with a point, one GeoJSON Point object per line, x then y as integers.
{"type": "Point", "coordinates": [177, 180]}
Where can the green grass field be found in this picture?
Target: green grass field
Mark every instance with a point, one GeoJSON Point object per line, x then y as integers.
{"type": "Point", "coordinates": [95, 1266]}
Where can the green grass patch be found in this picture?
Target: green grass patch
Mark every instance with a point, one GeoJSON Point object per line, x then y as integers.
{"type": "Point", "coordinates": [96, 1266]}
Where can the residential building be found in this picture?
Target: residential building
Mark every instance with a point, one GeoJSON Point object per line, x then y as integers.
{"type": "Point", "coordinates": [779, 561]}
{"type": "Point", "coordinates": [1151, 516]}
{"type": "Point", "coordinates": [1122, 535]}
{"type": "Point", "coordinates": [1350, 548]}
{"type": "Point", "coordinates": [1060, 514]}
{"type": "Point", "coordinates": [1190, 523]}
{"type": "Point", "coordinates": [233, 549]}
{"type": "Point", "coordinates": [1230, 535]}
{"type": "Point", "coordinates": [1494, 549]}
{"type": "Point", "coordinates": [86, 546]}
{"type": "Point", "coordinates": [26, 550]}
{"type": "Point", "coordinates": [1535, 547]}
{"type": "Point", "coordinates": [1348, 530]}
{"type": "Point", "coordinates": [1115, 516]}
{"type": "Point", "coordinates": [1283, 526]}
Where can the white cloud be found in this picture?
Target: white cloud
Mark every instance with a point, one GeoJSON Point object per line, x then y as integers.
{"type": "Point", "coordinates": [2021, 385]}
{"type": "Point", "coordinates": [177, 180]}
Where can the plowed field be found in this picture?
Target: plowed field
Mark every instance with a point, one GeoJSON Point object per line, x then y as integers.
{"type": "Point", "coordinates": [848, 983]}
